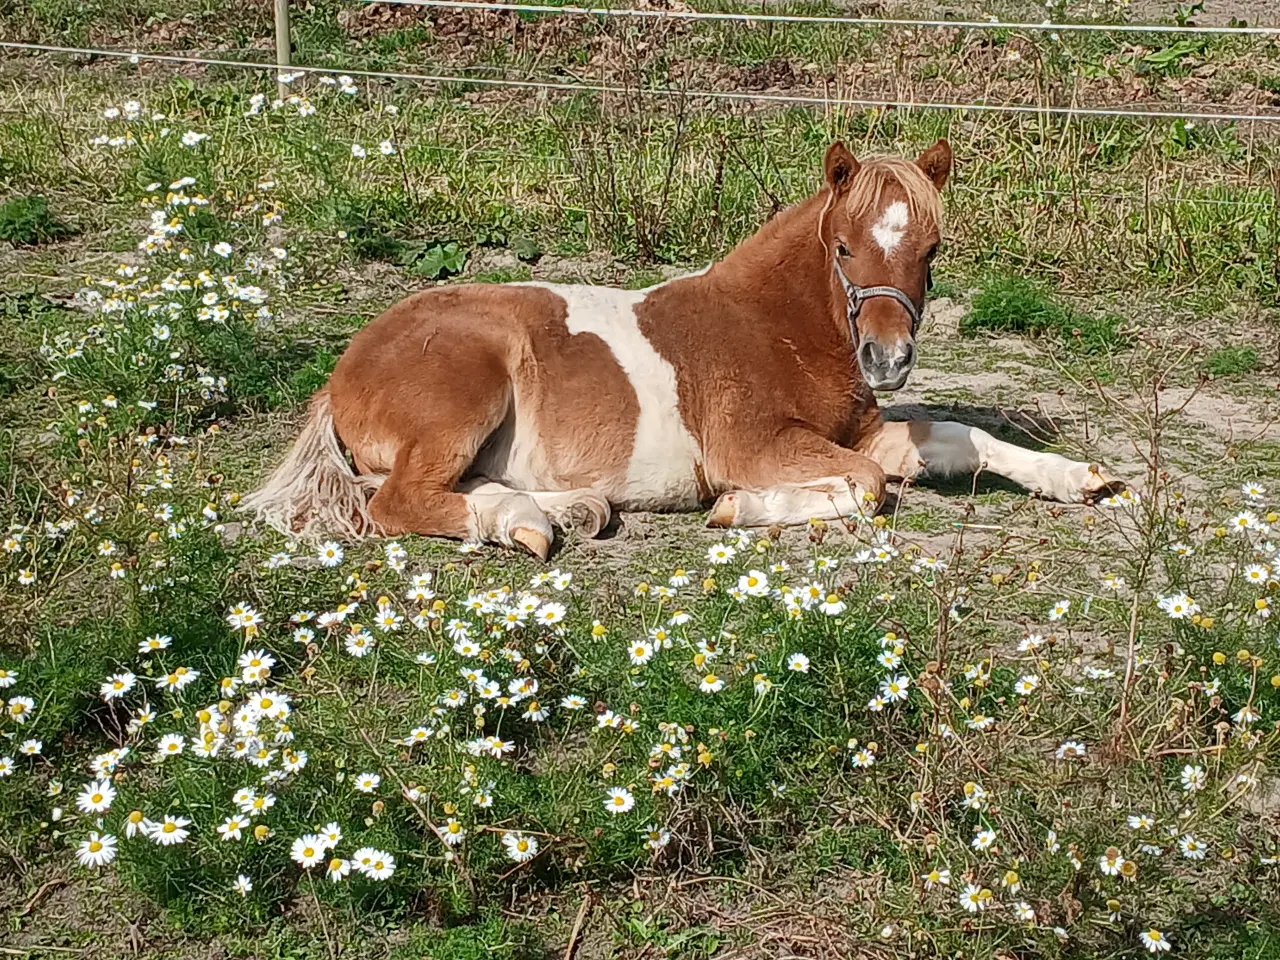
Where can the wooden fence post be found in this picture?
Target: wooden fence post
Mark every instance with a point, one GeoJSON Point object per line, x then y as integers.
{"type": "Point", "coordinates": [282, 44]}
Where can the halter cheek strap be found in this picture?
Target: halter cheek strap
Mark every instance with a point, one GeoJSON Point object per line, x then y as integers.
{"type": "Point", "coordinates": [856, 296]}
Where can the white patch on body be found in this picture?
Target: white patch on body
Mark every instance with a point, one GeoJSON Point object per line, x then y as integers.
{"type": "Point", "coordinates": [661, 472]}
{"type": "Point", "coordinates": [889, 230]}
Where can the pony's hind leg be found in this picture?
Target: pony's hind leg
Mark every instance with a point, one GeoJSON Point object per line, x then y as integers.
{"type": "Point", "coordinates": [424, 434]}
{"type": "Point", "coordinates": [412, 500]}
{"type": "Point", "coordinates": [827, 498]}
{"type": "Point", "coordinates": [585, 510]}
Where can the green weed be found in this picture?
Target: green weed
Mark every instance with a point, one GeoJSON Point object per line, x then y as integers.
{"type": "Point", "coordinates": [433, 262]}
{"type": "Point", "coordinates": [28, 221]}
{"type": "Point", "coordinates": [1231, 361]}
{"type": "Point", "coordinates": [1173, 58]}
{"type": "Point", "coordinates": [1010, 304]}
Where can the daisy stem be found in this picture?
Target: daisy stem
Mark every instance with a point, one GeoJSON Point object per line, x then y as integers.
{"type": "Point", "coordinates": [324, 926]}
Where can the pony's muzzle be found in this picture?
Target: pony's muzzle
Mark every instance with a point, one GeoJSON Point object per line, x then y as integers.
{"type": "Point", "coordinates": [886, 368]}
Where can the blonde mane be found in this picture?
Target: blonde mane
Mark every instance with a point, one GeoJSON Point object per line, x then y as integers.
{"type": "Point", "coordinates": [866, 192]}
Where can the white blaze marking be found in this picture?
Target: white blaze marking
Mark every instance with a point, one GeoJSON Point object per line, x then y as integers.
{"type": "Point", "coordinates": [891, 227]}
{"type": "Point", "coordinates": [661, 470]}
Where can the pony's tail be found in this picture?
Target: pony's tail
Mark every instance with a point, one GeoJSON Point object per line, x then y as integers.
{"type": "Point", "coordinates": [314, 491]}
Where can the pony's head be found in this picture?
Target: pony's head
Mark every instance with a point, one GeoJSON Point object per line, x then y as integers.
{"type": "Point", "coordinates": [881, 225]}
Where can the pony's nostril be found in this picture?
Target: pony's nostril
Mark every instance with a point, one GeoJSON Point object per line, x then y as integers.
{"type": "Point", "coordinates": [908, 354]}
{"type": "Point", "coordinates": [868, 356]}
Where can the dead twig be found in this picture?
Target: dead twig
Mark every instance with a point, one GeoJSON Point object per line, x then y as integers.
{"type": "Point", "coordinates": [577, 925]}
{"type": "Point", "coordinates": [40, 894]}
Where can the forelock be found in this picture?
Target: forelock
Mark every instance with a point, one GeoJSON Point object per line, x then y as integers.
{"type": "Point", "coordinates": [876, 174]}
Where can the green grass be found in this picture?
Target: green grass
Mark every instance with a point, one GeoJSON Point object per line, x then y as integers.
{"type": "Point", "coordinates": [491, 937]}
{"type": "Point", "coordinates": [28, 221]}
{"type": "Point", "coordinates": [1231, 361]}
{"type": "Point", "coordinates": [1011, 304]}
{"type": "Point", "coordinates": [519, 274]}
{"type": "Point", "coordinates": [777, 841]}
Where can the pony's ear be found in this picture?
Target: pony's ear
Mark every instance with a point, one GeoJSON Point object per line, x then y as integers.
{"type": "Point", "coordinates": [839, 166]}
{"type": "Point", "coordinates": [936, 163]}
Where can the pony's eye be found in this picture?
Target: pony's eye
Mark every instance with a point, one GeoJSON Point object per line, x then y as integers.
{"type": "Point", "coordinates": [933, 252]}
{"type": "Point", "coordinates": [841, 249]}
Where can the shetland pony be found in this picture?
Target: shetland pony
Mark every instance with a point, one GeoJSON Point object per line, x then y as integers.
{"type": "Point", "coordinates": [493, 412]}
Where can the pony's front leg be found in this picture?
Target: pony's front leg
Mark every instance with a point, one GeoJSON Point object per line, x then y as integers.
{"type": "Point", "coordinates": [943, 447]}
{"type": "Point", "coordinates": [797, 477]}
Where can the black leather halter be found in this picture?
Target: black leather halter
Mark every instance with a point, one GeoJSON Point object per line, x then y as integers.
{"type": "Point", "coordinates": [856, 296]}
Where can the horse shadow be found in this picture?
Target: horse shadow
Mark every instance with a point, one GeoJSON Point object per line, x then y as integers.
{"type": "Point", "coordinates": [1020, 427]}
{"type": "Point", "coordinates": [1026, 429]}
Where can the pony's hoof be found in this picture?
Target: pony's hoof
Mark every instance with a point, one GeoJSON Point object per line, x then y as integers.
{"type": "Point", "coordinates": [724, 511]}
{"type": "Point", "coordinates": [587, 516]}
{"type": "Point", "coordinates": [535, 541]}
{"type": "Point", "coordinates": [1098, 486]}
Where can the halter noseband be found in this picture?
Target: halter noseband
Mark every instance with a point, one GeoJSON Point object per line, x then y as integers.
{"type": "Point", "coordinates": [856, 296]}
